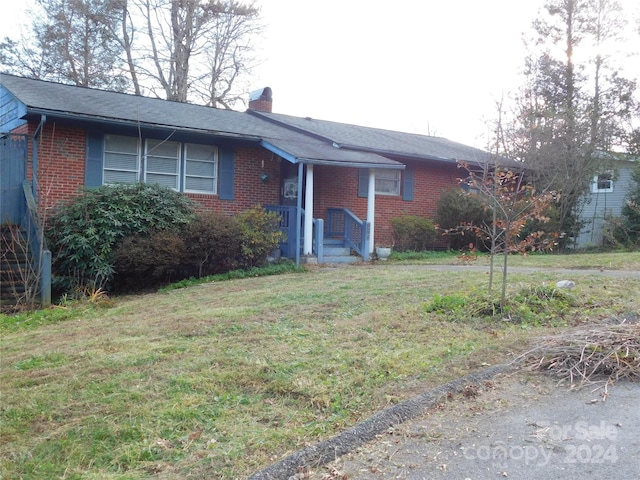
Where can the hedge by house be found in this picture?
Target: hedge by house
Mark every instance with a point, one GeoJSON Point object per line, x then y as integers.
{"type": "Point", "coordinates": [131, 237]}
{"type": "Point", "coordinates": [84, 233]}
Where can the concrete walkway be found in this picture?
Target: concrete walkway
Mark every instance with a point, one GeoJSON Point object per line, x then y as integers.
{"type": "Point", "coordinates": [559, 271]}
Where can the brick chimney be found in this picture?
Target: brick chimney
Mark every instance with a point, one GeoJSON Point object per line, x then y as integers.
{"type": "Point", "coordinates": [261, 100]}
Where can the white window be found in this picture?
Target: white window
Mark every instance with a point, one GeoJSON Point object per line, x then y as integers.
{"type": "Point", "coordinates": [121, 159]}
{"type": "Point", "coordinates": [162, 163]}
{"type": "Point", "coordinates": [387, 182]}
{"type": "Point", "coordinates": [201, 168]}
{"type": "Point", "coordinates": [602, 183]}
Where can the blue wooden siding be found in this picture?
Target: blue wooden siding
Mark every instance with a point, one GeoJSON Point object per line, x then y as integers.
{"type": "Point", "coordinates": [11, 111]}
{"type": "Point", "coordinates": [599, 205]}
{"type": "Point", "coordinates": [13, 161]}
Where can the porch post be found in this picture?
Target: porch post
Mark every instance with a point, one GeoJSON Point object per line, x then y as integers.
{"type": "Point", "coordinates": [308, 213]}
{"type": "Point", "coordinates": [371, 208]}
{"type": "Point", "coordinates": [299, 212]}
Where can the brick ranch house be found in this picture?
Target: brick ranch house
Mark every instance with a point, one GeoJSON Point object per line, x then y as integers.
{"type": "Point", "coordinates": [329, 180]}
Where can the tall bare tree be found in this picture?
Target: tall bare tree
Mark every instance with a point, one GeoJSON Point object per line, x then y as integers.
{"type": "Point", "coordinates": [575, 103]}
{"type": "Point", "coordinates": [183, 50]}
{"type": "Point", "coordinates": [70, 42]}
{"type": "Point", "coordinates": [198, 49]}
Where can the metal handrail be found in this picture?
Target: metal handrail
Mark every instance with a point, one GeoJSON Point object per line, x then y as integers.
{"type": "Point", "coordinates": [343, 223]}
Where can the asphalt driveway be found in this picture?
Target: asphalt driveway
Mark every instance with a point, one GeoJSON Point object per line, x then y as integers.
{"type": "Point", "coordinates": [518, 425]}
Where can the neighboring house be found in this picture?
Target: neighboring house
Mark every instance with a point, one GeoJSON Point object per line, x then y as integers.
{"type": "Point", "coordinates": [605, 199]}
{"type": "Point", "coordinates": [327, 179]}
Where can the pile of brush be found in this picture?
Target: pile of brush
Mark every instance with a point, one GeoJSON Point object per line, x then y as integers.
{"type": "Point", "coordinates": [587, 354]}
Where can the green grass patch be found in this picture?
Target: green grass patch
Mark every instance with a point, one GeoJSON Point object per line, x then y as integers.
{"type": "Point", "coordinates": [273, 269]}
{"type": "Point", "coordinates": [446, 256]}
{"type": "Point", "coordinates": [531, 304]}
{"type": "Point", "coordinates": [38, 318]}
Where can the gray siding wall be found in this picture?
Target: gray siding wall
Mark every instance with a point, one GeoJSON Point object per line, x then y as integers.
{"type": "Point", "coordinates": [602, 204]}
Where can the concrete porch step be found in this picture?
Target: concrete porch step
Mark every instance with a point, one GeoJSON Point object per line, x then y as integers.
{"type": "Point", "coordinates": [330, 251]}
{"type": "Point", "coordinates": [335, 252]}
{"type": "Point", "coordinates": [342, 259]}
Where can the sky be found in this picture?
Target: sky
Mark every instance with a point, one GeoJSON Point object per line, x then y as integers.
{"type": "Point", "coordinates": [421, 66]}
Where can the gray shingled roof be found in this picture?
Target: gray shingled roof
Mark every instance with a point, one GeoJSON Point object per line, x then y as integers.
{"type": "Point", "coordinates": [382, 141]}
{"type": "Point", "coordinates": [68, 101]}
{"type": "Point", "coordinates": [297, 139]}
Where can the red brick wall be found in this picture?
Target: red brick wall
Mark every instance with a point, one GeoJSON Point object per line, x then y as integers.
{"type": "Point", "coordinates": [338, 187]}
{"type": "Point", "coordinates": [62, 151]}
{"type": "Point", "coordinates": [249, 189]}
{"type": "Point", "coordinates": [61, 157]}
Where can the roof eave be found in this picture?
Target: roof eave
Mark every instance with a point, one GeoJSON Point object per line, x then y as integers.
{"type": "Point", "coordinates": [129, 123]}
{"type": "Point", "coordinates": [392, 153]}
{"type": "Point", "coordinates": [319, 161]}
{"type": "Point", "coordinates": [385, 166]}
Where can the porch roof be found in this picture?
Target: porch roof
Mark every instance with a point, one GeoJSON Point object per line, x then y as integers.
{"type": "Point", "coordinates": [99, 107]}
{"type": "Point", "coordinates": [322, 153]}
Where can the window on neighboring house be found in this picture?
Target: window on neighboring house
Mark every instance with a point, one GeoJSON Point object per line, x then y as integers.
{"type": "Point", "coordinates": [162, 163]}
{"type": "Point", "coordinates": [602, 183]}
{"type": "Point", "coordinates": [121, 159]}
{"type": "Point", "coordinates": [201, 167]}
{"type": "Point", "coordinates": [387, 182]}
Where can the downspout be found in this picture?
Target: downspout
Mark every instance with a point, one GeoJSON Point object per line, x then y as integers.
{"type": "Point", "coordinates": [34, 163]}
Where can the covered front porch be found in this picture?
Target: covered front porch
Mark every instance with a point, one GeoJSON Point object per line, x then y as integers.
{"type": "Point", "coordinates": [323, 202]}
{"type": "Point", "coordinates": [343, 238]}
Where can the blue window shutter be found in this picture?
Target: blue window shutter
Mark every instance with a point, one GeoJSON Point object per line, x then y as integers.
{"type": "Point", "coordinates": [363, 182]}
{"type": "Point", "coordinates": [407, 184]}
{"type": "Point", "coordinates": [227, 173]}
{"type": "Point", "coordinates": [94, 160]}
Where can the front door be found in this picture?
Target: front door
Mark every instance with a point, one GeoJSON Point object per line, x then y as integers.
{"type": "Point", "coordinates": [289, 188]}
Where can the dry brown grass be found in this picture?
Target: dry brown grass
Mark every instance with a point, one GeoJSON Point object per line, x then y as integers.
{"type": "Point", "coordinates": [587, 354]}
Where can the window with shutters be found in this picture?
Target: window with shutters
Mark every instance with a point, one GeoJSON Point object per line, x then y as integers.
{"type": "Point", "coordinates": [163, 163]}
{"type": "Point", "coordinates": [387, 182]}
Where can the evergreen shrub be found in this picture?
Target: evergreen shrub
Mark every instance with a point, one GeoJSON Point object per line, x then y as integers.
{"type": "Point", "coordinates": [412, 233]}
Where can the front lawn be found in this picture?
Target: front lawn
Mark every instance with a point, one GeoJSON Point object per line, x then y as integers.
{"type": "Point", "coordinates": [221, 379]}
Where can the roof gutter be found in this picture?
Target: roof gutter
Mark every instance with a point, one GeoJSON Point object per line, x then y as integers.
{"type": "Point", "coordinates": [391, 153]}
{"type": "Point", "coordinates": [149, 126]}
{"type": "Point", "coordinates": [319, 161]}
{"type": "Point", "coordinates": [316, 161]}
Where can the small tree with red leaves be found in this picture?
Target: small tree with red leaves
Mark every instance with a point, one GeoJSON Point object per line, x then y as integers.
{"type": "Point", "coordinates": [512, 203]}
